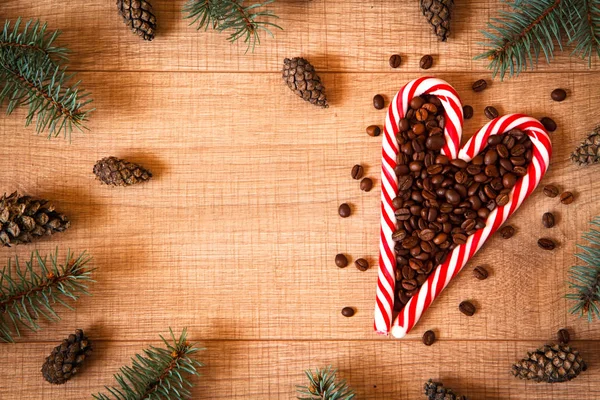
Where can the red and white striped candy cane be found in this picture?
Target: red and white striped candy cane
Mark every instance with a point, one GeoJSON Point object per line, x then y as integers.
{"type": "Point", "coordinates": [389, 181]}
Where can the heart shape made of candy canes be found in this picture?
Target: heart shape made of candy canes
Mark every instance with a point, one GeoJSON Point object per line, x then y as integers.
{"type": "Point", "coordinates": [457, 257]}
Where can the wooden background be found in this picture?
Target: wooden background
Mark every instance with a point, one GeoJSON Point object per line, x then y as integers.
{"type": "Point", "coordinates": [236, 235]}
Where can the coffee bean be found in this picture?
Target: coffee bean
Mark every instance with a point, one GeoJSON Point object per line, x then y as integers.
{"type": "Point", "coordinates": [378, 102]}
{"type": "Point", "coordinates": [549, 124]}
{"type": "Point", "coordinates": [409, 284]}
{"type": "Point", "coordinates": [467, 308]}
{"type": "Point", "coordinates": [373, 130]}
{"type": "Point", "coordinates": [479, 85]}
{"type": "Point", "coordinates": [550, 191]}
{"type": "Point", "coordinates": [426, 62]}
{"type": "Point", "coordinates": [421, 114]}
{"type": "Point", "coordinates": [426, 234]}
{"type": "Point", "coordinates": [416, 102]}
{"type": "Point", "coordinates": [357, 171]}
{"type": "Point", "coordinates": [490, 112]}
{"type": "Point", "coordinates": [567, 198]}
{"type": "Point", "coordinates": [341, 261]}
{"type": "Point", "coordinates": [348, 312]}
{"type": "Point", "coordinates": [428, 338]}
{"type": "Point", "coordinates": [467, 112]}
{"type": "Point", "coordinates": [507, 232]}
{"type": "Point", "coordinates": [480, 273]}
{"type": "Point", "coordinates": [395, 60]}
{"type": "Point", "coordinates": [563, 336]}
{"type": "Point", "coordinates": [546, 244]}
{"type": "Point", "coordinates": [361, 264]}
{"type": "Point", "coordinates": [399, 235]}
{"type": "Point", "coordinates": [558, 94]}
{"type": "Point", "coordinates": [366, 185]}
{"type": "Point", "coordinates": [548, 220]}
{"type": "Point", "coordinates": [502, 199]}
{"type": "Point", "coordinates": [344, 210]}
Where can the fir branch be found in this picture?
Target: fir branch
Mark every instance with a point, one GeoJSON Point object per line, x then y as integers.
{"type": "Point", "coordinates": [232, 15]}
{"type": "Point", "coordinates": [33, 73]}
{"type": "Point", "coordinates": [158, 374]}
{"type": "Point", "coordinates": [26, 294]}
{"type": "Point", "coordinates": [322, 385]}
{"type": "Point", "coordinates": [586, 30]}
{"type": "Point", "coordinates": [585, 279]}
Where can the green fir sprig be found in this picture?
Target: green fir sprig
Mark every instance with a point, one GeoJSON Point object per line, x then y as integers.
{"type": "Point", "coordinates": [33, 73]}
{"type": "Point", "coordinates": [323, 386]}
{"type": "Point", "coordinates": [160, 373]}
{"type": "Point", "coordinates": [243, 21]}
{"type": "Point", "coordinates": [30, 292]}
{"type": "Point", "coordinates": [585, 279]}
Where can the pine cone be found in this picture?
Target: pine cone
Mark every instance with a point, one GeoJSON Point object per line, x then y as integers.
{"type": "Point", "coordinates": [138, 16]}
{"type": "Point", "coordinates": [23, 219]}
{"type": "Point", "coordinates": [438, 13]}
{"type": "Point", "coordinates": [301, 77]}
{"type": "Point", "coordinates": [117, 172]}
{"type": "Point", "coordinates": [551, 364]}
{"type": "Point", "coordinates": [437, 391]}
{"type": "Point", "coordinates": [66, 358]}
{"type": "Point", "coordinates": [588, 152]}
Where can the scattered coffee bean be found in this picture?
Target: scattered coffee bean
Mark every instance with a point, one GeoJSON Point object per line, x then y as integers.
{"type": "Point", "coordinates": [550, 191]}
{"type": "Point", "coordinates": [558, 94]}
{"type": "Point", "coordinates": [395, 60]}
{"type": "Point", "coordinates": [428, 338]}
{"type": "Point", "coordinates": [549, 124]}
{"type": "Point", "coordinates": [567, 198]}
{"type": "Point", "coordinates": [344, 210]}
{"type": "Point", "coordinates": [373, 130]}
{"type": "Point", "coordinates": [348, 311]}
{"type": "Point", "coordinates": [546, 244]}
{"type": "Point", "coordinates": [467, 112]}
{"type": "Point", "coordinates": [548, 220]}
{"type": "Point", "coordinates": [341, 260]}
{"type": "Point", "coordinates": [563, 336]}
{"type": "Point", "coordinates": [426, 62]}
{"type": "Point", "coordinates": [480, 273]}
{"type": "Point", "coordinates": [467, 308]}
{"type": "Point", "coordinates": [361, 264]}
{"type": "Point", "coordinates": [366, 185]}
{"type": "Point", "coordinates": [479, 85]}
{"type": "Point", "coordinates": [357, 171]}
{"type": "Point", "coordinates": [490, 112]}
{"type": "Point", "coordinates": [378, 102]}
{"type": "Point", "coordinates": [507, 232]}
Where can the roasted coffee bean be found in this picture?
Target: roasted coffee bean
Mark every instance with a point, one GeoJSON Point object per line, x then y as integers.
{"type": "Point", "coordinates": [341, 261]}
{"type": "Point", "coordinates": [480, 273]}
{"type": "Point", "coordinates": [417, 102]}
{"type": "Point", "coordinates": [558, 94]}
{"type": "Point", "coordinates": [395, 60]}
{"type": "Point", "coordinates": [426, 62]}
{"type": "Point", "coordinates": [563, 336]}
{"type": "Point", "coordinates": [404, 125]}
{"type": "Point", "coordinates": [409, 284]}
{"type": "Point", "coordinates": [467, 308]}
{"type": "Point", "coordinates": [421, 114]}
{"type": "Point", "coordinates": [405, 183]}
{"type": "Point", "coordinates": [402, 214]}
{"type": "Point", "coordinates": [361, 264]}
{"type": "Point", "coordinates": [378, 102]}
{"type": "Point", "coordinates": [479, 85]}
{"type": "Point", "coordinates": [546, 244]}
{"type": "Point", "coordinates": [467, 112]}
{"type": "Point", "coordinates": [509, 180]}
{"type": "Point", "coordinates": [399, 235]}
{"type": "Point", "coordinates": [357, 171]}
{"type": "Point", "coordinates": [549, 124]}
{"type": "Point", "coordinates": [548, 220]}
{"type": "Point", "coordinates": [344, 210]}
{"type": "Point", "coordinates": [507, 232]}
{"type": "Point", "coordinates": [426, 235]}
{"type": "Point", "coordinates": [348, 312]}
{"type": "Point", "coordinates": [550, 191]}
{"type": "Point", "coordinates": [490, 112]}
{"type": "Point", "coordinates": [435, 143]}
{"type": "Point", "coordinates": [567, 198]}
{"type": "Point", "coordinates": [373, 130]}
{"type": "Point", "coordinates": [502, 199]}
{"type": "Point", "coordinates": [459, 238]}
{"type": "Point", "coordinates": [366, 184]}
{"type": "Point", "coordinates": [428, 338]}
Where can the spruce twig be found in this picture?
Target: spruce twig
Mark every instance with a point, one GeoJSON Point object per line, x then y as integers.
{"type": "Point", "coordinates": [585, 279]}
{"type": "Point", "coordinates": [323, 386]}
{"type": "Point", "coordinates": [158, 374]}
{"type": "Point", "coordinates": [30, 292]}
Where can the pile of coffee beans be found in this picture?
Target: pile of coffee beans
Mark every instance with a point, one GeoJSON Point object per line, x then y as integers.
{"type": "Point", "coordinates": [441, 202]}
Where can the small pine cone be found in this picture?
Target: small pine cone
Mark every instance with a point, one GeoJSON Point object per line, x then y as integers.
{"type": "Point", "coordinates": [551, 364]}
{"type": "Point", "coordinates": [302, 79]}
{"type": "Point", "coordinates": [66, 359]}
{"type": "Point", "coordinates": [117, 172]}
{"type": "Point", "coordinates": [588, 152]}
{"type": "Point", "coordinates": [24, 219]}
{"type": "Point", "coordinates": [138, 16]}
{"type": "Point", "coordinates": [437, 391]}
{"type": "Point", "coordinates": [438, 13]}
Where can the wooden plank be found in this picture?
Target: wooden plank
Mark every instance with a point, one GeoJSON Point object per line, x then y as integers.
{"type": "Point", "coordinates": [336, 35]}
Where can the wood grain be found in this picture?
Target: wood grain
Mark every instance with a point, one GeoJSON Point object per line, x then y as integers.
{"type": "Point", "coordinates": [236, 235]}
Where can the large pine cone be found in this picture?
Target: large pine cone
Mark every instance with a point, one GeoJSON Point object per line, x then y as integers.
{"type": "Point", "coordinates": [66, 358]}
{"type": "Point", "coordinates": [23, 219]}
{"type": "Point", "coordinates": [437, 391]}
{"type": "Point", "coordinates": [117, 172]}
{"type": "Point", "coordinates": [301, 77]}
{"type": "Point", "coordinates": [438, 13]}
{"type": "Point", "coordinates": [588, 152]}
{"type": "Point", "coordinates": [138, 16]}
{"type": "Point", "coordinates": [551, 364]}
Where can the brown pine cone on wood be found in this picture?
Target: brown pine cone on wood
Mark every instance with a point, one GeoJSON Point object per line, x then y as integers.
{"type": "Point", "coordinates": [551, 363]}
{"type": "Point", "coordinates": [116, 172]}
{"type": "Point", "coordinates": [66, 359]}
{"type": "Point", "coordinates": [138, 16]}
{"type": "Point", "coordinates": [438, 14]}
{"type": "Point", "coordinates": [301, 78]}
